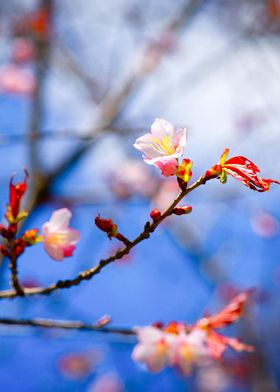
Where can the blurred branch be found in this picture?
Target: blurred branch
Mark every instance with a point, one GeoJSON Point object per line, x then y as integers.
{"type": "Point", "coordinates": [13, 270]}
{"type": "Point", "coordinates": [82, 135]}
{"type": "Point", "coordinates": [112, 106]}
{"type": "Point", "coordinates": [109, 109]}
{"type": "Point", "coordinates": [42, 47]}
{"type": "Point", "coordinates": [89, 273]}
{"type": "Point", "coordinates": [64, 324]}
{"type": "Point", "coordinates": [66, 60]}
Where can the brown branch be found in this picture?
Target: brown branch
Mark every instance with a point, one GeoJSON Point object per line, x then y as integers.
{"type": "Point", "coordinates": [66, 60]}
{"type": "Point", "coordinates": [13, 269]}
{"type": "Point", "coordinates": [89, 273]}
{"type": "Point", "coordinates": [42, 47]}
{"type": "Point", "coordinates": [65, 324]}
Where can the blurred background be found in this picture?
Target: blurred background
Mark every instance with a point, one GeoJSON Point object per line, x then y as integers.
{"type": "Point", "coordinates": [79, 81]}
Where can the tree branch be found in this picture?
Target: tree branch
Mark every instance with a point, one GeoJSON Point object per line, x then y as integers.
{"type": "Point", "coordinates": [89, 273]}
{"type": "Point", "coordinates": [64, 324]}
{"type": "Point", "coordinates": [13, 269]}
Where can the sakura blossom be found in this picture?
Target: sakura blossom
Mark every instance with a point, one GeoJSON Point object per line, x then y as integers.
{"type": "Point", "coordinates": [59, 240]}
{"type": "Point", "coordinates": [163, 146]}
{"type": "Point", "coordinates": [189, 349]}
{"type": "Point", "coordinates": [154, 347]}
{"type": "Point", "coordinates": [172, 346]}
{"type": "Point", "coordinates": [183, 346]}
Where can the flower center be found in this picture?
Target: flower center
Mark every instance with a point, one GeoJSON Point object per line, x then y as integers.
{"type": "Point", "coordinates": [163, 146]}
{"type": "Point", "coordinates": [56, 238]}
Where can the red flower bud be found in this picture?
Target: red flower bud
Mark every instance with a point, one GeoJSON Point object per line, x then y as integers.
{"type": "Point", "coordinates": [158, 324]}
{"type": "Point", "coordinates": [19, 247]}
{"type": "Point", "coordinates": [12, 230]}
{"type": "Point", "coordinates": [4, 251]}
{"type": "Point", "coordinates": [4, 232]}
{"type": "Point", "coordinates": [17, 192]}
{"type": "Point", "coordinates": [155, 214]}
{"type": "Point", "coordinates": [106, 225]}
{"type": "Point", "coordinates": [30, 237]}
{"type": "Point", "coordinates": [182, 210]}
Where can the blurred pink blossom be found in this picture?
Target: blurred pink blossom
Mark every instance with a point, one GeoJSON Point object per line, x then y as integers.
{"type": "Point", "coordinates": [78, 365]}
{"type": "Point", "coordinates": [264, 225]}
{"type": "Point", "coordinates": [22, 50]}
{"type": "Point", "coordinates": [132, 177]}
{"type": "Point", "coordinates": [16, 80]}
{"type": "Point", "coordinates": [59, 240]}
{"type": "Point", "coordinates": [106, 383]}
{"type": "Point", "coordinates": [166, 193]}
{"type": "Point", "coordinates": [159, 348]}
{"type": "Point", "coordinates": [153, 348]}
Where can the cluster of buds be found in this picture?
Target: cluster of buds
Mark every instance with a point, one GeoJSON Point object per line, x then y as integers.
{"type": "Point", "coordinates": [14, 215]}
{"type": "Point", "coordinates": [59, 240]}
{"type": "Point", "coordinates": [163, 146]}
{"type": "Point", "coordinates": [181, 346]}
{"type": "Point", "coordinates": [156, 215]}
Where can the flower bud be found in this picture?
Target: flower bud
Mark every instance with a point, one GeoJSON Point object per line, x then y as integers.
{"type": "Point", "coordinates": [17, 192]}
{"type": "Point", "coordinates": [107, 226]}
{"type": "Point", "coordinates": [4, 232]}
{"type": "Point", "coordinates": [30, 237]}
{"type": "Point", "coordinates": [182, 210]}
{"type": "Point", "coordinates": [155, 214]}
{"type": "Point", "coordinates": [158, 324]}
{"type": "Point", "coordinates": [4, 251]}
{"type": "Point", "coordinates": [19, 247]}
{"type": "Point", "coordinates": [103, 321]}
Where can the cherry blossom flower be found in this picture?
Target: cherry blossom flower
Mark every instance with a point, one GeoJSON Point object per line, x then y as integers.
{"type": "Point", "coordinates": [59, 240]}
{"type": "Point", "coordinates": [171, 346]}
{"type": "Point", "coordinates": [163, 146]}
{"type": "Point", "coordinates": [182, 346]}
{"type": "Point", "coordinates": [153, 348]}
{"type": "Point", "coordinates": [242, 169]}
{"type": "Point", "coordinates": [189, 349]}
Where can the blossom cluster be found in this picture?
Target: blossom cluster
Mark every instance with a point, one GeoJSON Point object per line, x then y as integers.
{"type": "Point", "coordinates": [164, 145]}
{"type": "Point", "coordinates": [182, 346]}
{"type": "Point", "coordinates": [59, 240]}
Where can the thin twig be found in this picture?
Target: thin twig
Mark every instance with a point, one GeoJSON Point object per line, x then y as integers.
{"type": "Point", "coordinates": [65, 324]}
{"type": "Point", "coordinates": [13, 270]}
{"type": "Point", "coordinates": [42, 45]}
{"type": "Point", "coordinates": [89, 273]}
